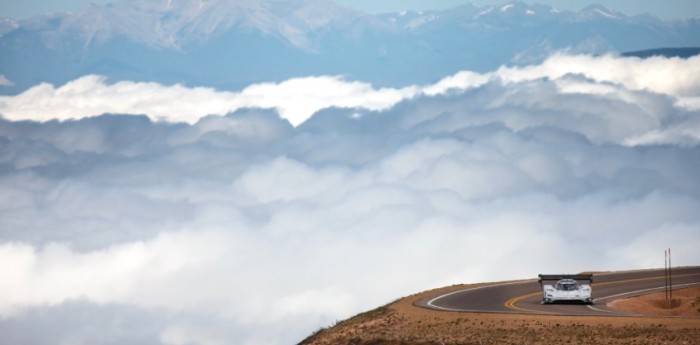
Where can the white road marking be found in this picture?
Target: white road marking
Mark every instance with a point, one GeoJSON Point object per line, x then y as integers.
{"type": "Point", "coordinates": [605, 311]}
{"type": "Point", "coordinates": [430, 303]}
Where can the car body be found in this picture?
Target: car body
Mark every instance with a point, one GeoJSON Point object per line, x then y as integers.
{"type": "Point", "coordinates": [566, 288]}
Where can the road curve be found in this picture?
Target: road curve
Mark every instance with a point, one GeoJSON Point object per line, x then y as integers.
{"type": "Point", "coordinates": [525, 296]}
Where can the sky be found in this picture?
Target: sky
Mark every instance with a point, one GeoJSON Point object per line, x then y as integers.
{"type": "Point", "coordinates": [669, 9]}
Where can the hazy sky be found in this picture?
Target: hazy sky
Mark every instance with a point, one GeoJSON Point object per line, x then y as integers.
{"type": "Point", "coordinates": [663, 9]}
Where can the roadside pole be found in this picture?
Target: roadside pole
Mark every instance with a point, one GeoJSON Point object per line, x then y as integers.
{"type": "Point", "coordinates": [666, 277]}
{"type": "Point", "coordinates": [668, 280]}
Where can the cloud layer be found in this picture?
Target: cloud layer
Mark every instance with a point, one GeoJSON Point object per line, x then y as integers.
{"type": "Point", "coordinates": [246, 229]}
{"type": "Point", "coordinates": [294, 99]}
{"type": "Point", "coordinates": [298, 99]}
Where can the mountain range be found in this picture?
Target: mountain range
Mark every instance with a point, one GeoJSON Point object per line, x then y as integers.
{"type": "Point", "coordinates": [231, 43]}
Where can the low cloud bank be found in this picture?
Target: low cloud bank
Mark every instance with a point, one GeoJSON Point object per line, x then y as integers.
{"type": "Point", "coordinates": [246, 229]}
{"type": "Point", "coordinates": [298, 99]}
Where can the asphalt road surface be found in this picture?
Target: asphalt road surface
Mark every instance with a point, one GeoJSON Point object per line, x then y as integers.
{"type": "Point", "coordinates": [526, 296]}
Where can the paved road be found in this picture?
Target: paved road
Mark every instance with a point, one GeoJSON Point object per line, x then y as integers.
{"type": "Point", "coordinates": [525, 296]}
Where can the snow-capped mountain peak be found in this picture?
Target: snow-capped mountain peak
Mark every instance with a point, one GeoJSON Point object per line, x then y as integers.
{"type": "Point", "coordinates": [507, 7]}
{"type": "Point", "coordinates": [598, 11]}
{"type": "Point", "coordinates": [172, 23]}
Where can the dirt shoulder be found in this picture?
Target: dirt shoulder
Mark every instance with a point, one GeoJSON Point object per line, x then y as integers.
{"type": "Point", "coordinates": [657, 305]}
{"type": "Point", "coordinates": [402, 322]}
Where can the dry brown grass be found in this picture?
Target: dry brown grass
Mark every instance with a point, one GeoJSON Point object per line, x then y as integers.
{"type": "Point", "coordinates": [402, 323]}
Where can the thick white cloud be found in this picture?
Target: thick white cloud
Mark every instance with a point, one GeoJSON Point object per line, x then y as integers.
{"type": "Point", "coordinates": [295, 99]}
{"type": "Point", "coordinates": [671, 76]}
{"type": "Point", "coordinates": [122, 273]}
{"type": "Point", "coordinates": [243, 229]}
{"type": "Point", "coordinates": [298, 99]}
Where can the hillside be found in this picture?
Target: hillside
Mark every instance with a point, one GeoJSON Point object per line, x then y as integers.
{"type": "Point", "coordinates": [401, 322]}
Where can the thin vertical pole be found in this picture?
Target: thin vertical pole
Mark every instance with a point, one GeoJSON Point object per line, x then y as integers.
{"type": "Point", "coordinates": [666, 276]}
{"type": "Point", "coordinates": [670, 278]}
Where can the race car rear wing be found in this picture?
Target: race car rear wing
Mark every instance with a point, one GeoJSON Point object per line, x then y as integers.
{"type": "Point", "coordinates": [544, 277]}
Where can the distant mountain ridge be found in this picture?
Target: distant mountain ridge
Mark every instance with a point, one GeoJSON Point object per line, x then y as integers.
{"type": "Point", "coordinates": [231, 43]}
{"type": "Point", "coordinates": [177, 23]}
{"type": "Point", "coordinates": [666, 52]}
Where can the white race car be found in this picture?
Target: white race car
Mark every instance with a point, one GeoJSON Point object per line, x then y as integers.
{"type": "Point", "coordinates": [567, 288]}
